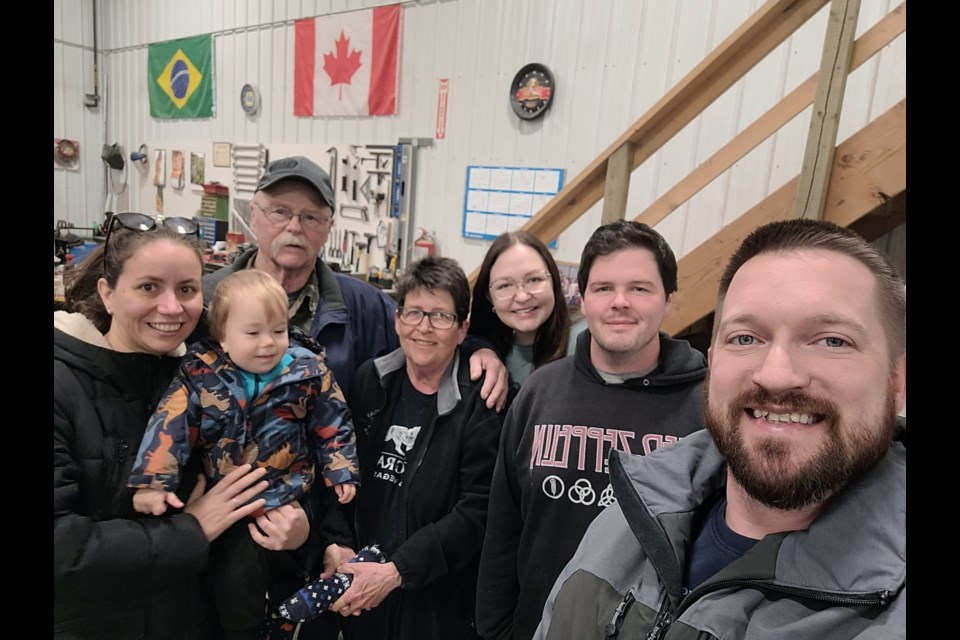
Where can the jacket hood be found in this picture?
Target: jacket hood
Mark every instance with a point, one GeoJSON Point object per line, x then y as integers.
{"type": "Point", "coordinates": [679, 363]}
{"type": "Point", "coordinates": [305, 364]}
{"type": "Point", "coordinates": [78, 344]}
{"type": "Point", "coordinates": [78, 326]}
{"type": "Point", "coordinates": [671, 482]}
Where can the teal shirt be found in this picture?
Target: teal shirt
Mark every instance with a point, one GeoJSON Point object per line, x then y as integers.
{"type": "Point", "coordinates": [519, 361]}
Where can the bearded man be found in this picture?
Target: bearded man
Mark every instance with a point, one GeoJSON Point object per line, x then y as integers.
{"type": "Point", "coordinates": [786, 518]}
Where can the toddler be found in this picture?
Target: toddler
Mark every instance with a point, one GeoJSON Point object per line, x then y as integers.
{"type": "Point", "coordinates": [244, 396]}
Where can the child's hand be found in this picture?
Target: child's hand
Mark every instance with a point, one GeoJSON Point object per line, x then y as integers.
{"type": "Point", "coordinates": [155, 501]}
{"type": "Point", "coordinates": [345, 492]}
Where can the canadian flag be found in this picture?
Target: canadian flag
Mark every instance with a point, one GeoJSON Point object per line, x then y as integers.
{"type": "Point", "coordinates": [346, 64]}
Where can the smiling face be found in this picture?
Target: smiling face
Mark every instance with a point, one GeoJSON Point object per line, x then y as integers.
{"type": "Point", "coordinates": [624, 305]}
{"type": "Point", "coordinates": [289, 247]}
{"type": "Point", "coordinates": [429, 351]}
{"type": "Point", "coordinates": [524, 312]}
{"type": "Point", "coordinates": [157, 300]}
{"type": "Point", "coordinates": [253, 337]}
{"type": "Point", "coordinates": [802, 396]}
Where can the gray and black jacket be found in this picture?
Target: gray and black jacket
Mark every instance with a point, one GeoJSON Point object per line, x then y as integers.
{"type": "Point", "coordinates": [844, 577]}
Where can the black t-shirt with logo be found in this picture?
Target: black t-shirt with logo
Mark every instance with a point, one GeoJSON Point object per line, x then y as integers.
{"type": "Point", "coordinates": [410, 416]}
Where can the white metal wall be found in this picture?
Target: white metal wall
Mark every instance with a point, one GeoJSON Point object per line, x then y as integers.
{"type": "Point", "coordinates": [76, 192]}
{"type": "Point", "coordinates": [612, 59]}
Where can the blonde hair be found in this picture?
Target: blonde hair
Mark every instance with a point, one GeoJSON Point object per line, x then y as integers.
{"type": "Point", "coordinates": [246, 284]}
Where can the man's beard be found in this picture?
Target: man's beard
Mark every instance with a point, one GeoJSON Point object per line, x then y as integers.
{"type": "Point", "coordinates": [768, 473]}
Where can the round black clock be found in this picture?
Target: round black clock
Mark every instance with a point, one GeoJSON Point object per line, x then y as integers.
{"type": "Point", "coordinates": [532, 91]}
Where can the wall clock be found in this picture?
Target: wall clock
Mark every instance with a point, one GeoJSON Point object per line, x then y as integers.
{"type": "Point", "coordinates": [250, 99]}
{"type": "Point", "coordinates": [532, 91]}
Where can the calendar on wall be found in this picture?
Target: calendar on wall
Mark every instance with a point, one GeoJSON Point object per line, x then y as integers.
{"type": "Point", "coordinates": [500, 199]}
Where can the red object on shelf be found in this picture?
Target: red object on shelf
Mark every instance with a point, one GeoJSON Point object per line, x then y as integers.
{"type": "Point", "coordinates": [216, 189]}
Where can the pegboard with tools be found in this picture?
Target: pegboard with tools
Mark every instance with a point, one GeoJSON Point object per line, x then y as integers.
{"type": "Point", "coordinates": [363, 231]}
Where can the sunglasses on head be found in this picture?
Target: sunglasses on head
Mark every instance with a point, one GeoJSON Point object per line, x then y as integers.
{"type": "Point", "coordinates": [142, 222]}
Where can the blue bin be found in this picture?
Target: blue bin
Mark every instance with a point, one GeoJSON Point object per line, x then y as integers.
{"type": "Point", "coordinates": [81, 252]}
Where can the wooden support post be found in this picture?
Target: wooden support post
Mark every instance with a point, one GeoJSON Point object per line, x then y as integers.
{"type": "Point", "coordinates": [822, 138]}
{"type": "Point", "coordinates": [617, 186]}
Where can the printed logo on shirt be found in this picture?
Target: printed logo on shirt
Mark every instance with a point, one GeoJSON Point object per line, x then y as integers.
{"type": "Point", "coordinates": [590, 446]}
{"type": "Point", "coordinates": [393, 458]}
{"type": "Point", "coordinates": [581, 492]}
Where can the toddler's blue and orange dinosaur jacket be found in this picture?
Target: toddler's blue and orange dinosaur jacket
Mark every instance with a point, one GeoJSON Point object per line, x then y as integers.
{"type": "Point", "coordinates": [297, 421]}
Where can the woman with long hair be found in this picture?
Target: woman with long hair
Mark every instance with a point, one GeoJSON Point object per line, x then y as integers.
{"type": "Point", "coordinates": [116, 573]}
{"type": "Point", "coordinates": [518, 305]}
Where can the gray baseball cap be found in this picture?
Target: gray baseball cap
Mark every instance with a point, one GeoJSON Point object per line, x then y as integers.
{"type": "Point", "coordinates": [298, 168]}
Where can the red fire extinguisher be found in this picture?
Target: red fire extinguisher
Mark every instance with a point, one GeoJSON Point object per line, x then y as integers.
{"type": "Point", "coordinates": [425, 245]}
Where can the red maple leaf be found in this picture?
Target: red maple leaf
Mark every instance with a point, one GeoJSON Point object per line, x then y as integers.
{"type": "Point", "coordinates": [342, 66]}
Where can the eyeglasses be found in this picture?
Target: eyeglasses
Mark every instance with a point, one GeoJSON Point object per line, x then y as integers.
{"type": "Point", "coordinates": [280, 217]}
{"type": "Point", "coordinates": [133, 221]}
{"type": "Point", "coordinates": [142, 222]}
{"type": "Point", "coordinates": [438, 319]}
{"type": "Point", "coordinates": [506, 289]}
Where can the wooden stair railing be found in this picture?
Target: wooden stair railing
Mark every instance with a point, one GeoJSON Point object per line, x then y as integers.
{"type": "Point", "coordinates": [869, 170]}
{"type": "Point", "coordinates": [766, 29]}
{"type": "Point", "coordinates": [607, 177]}
{"type": "Point", "coordinates": [866, 46]}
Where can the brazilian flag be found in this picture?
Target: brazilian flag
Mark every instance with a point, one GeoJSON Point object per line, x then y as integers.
{"type": "Point", "coordinates": [180, 78]}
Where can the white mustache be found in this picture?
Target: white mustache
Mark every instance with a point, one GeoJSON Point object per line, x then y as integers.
{"type": "Point", "coordinates": [287, 239]}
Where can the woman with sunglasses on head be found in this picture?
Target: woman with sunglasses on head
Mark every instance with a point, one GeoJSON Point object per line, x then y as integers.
{"type": "Point", "coordinates": [519, 305]}
{"type": "Point", "coordinates": [427, 445]}
{"type": "Point", "coordinates": [117, 574]}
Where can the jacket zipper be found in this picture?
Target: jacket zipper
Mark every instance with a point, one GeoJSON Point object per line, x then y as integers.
{"type": "Point", "coordinates": [121, 450]}
{"type": "Point", "coordinates": [612, 630]}
{"type": "Point", "coordinates": [665, 617]}
{"type": "Point", "coordinates": [881, 598]}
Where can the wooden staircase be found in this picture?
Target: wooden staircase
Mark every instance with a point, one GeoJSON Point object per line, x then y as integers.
{"type": "Point", "coordinates": [865, 188]}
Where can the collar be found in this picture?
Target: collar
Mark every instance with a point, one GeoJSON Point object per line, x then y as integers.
{"type": "Point", "coordinates": [80, 327]}
{"type": "Point", "coordinates": [662, 490]}
{"type": "Point", "coordinates": [448, 395]}
{"type": "Point", "coordinates": [309, 295]}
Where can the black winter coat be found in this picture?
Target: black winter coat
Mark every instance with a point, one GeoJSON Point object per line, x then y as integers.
{"type": "Point", "coordinates": [116, 574]}
{"type": "Point", "coordinates": [444, 493]}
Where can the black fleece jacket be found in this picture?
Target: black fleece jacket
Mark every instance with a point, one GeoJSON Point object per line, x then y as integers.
{"type": "Point", "coordinates": [444, 494]}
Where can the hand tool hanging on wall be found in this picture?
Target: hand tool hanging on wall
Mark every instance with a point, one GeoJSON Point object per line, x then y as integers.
{"type": "Point", "coordinates": [361, 248]}
{"type": "Point", "coordinates": [343, 178]}
{"type": "Point", "coordinates": [365, 189]}
{"type": "Point", "coordinates": [333, 165]}
{"type": "Point", "coordinates": [353, 207]}
{"type": "Point", "coordinates": [368, 246]}
{"type": "Point", "coordinates": [382, 234]}
{"type": "Point", "coordinates": [333, 243]}
{"type": "Point", "coordinates": [353, 178]}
